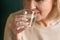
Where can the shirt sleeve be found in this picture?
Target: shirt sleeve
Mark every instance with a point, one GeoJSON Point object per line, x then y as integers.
{"type": "Point", "coordinates": [7, 31]}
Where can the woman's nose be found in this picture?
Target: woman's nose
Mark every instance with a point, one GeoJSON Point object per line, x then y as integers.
{"type": "Point", "coordinates": [33, 5]}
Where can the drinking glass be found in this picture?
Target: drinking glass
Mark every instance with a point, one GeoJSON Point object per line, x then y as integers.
{"type": "Point", "coordinates": [28, 15]}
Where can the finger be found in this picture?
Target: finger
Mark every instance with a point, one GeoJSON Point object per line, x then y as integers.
{"type": "Point", "coordinates": [20, 29]}
{"type": "Point", "coordinates": [23, 26]}
{"type": "Point", "coordinates": [21, 19]}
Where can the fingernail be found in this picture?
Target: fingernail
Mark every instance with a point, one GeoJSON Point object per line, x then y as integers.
{"type": "Point", "coordinates": [20, 27]}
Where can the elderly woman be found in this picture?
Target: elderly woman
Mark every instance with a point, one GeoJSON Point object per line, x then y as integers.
{"type": "Point", "coordinates": [47, 26]}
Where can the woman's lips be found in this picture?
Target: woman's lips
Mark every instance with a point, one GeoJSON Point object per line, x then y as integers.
{"type": "Point", "coordinates": [38, 13]}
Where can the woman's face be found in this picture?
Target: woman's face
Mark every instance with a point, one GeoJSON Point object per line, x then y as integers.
{"type": "Point", "coordinates": [41, 7]}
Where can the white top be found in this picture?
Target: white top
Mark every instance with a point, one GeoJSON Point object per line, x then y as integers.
{"type": "Point", "coordinates": [50, 33]}
{"type": "Point", "coordinates": [42, 33]}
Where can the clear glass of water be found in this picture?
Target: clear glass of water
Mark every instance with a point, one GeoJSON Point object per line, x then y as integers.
{"type": "Point", "coordinates": [29, 16]}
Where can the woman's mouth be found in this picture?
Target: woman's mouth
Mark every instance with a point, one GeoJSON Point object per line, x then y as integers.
{"type": "Point", "coordinates": [37, 12]}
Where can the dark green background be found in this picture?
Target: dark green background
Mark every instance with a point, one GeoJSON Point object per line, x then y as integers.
{"type": "Point", "coordinates": [7, 7]}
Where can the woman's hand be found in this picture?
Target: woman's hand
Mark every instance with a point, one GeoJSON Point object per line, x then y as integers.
{"type": "Point", "coordinates": [20, 24]}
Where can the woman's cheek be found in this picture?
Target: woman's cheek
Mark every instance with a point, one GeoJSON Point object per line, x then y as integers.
{"type": "Point", "coordinates": [46, 8]}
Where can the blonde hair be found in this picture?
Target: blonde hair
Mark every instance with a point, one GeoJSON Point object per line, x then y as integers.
{"type": "Point", "coordinates": [55, 12]}
{"type": "Point", "coordinates": [58, 5]}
